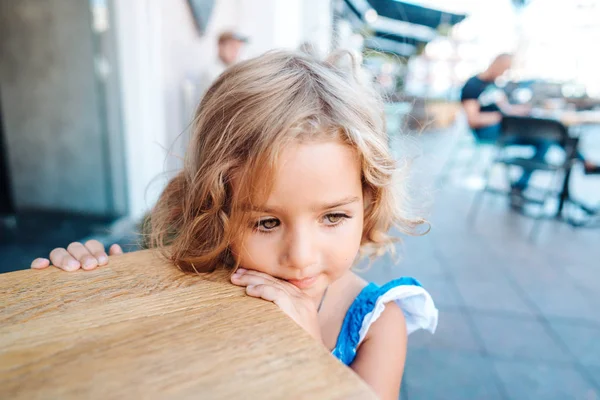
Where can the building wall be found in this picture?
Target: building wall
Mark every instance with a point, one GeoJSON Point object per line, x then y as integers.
{"type": "Point", "coordinates": [53, 134]}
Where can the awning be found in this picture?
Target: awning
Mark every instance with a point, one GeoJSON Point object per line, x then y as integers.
{"type": "Point", "coordinates": [413, 41]}
{"type": "Point", "coordinates": [415, 14]}
{"type": "Point", "coordinates": [400, 27]}
{"type": "Point", "coordinates": [404, 46]}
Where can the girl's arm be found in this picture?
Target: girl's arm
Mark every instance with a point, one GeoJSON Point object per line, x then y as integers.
{"type": "Point", "coordinates": [380, 358]}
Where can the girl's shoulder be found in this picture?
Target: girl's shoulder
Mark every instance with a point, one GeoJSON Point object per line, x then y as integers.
{"type": "Point", "coordinates": [367, 307]}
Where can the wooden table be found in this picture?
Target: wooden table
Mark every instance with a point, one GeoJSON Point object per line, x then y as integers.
{"type": "Point", "coordinates": [140, 328]}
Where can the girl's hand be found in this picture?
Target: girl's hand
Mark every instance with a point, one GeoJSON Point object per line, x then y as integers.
{"type": "Point", "coordinates": [77, 255]}
{"type": "Point", "coordinates": [286, 296]}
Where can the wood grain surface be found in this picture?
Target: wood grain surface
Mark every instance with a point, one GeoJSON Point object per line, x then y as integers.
{"type": "Point", "coordinates": [140, 328]}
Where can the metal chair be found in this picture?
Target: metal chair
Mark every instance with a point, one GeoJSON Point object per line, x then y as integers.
{"type": "Point", "coordinates": [467, 142]}
{"type": "Point", "coordinates": [590, 214]}
{"type": "Point", "coordinates": [528, 131]}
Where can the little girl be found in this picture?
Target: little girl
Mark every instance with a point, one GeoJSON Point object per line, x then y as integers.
{"type": "Point", "coordinates": [288, 177]}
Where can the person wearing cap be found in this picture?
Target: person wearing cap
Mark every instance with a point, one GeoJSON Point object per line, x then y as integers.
{"type": "Point", "coordinates": [229, 47]}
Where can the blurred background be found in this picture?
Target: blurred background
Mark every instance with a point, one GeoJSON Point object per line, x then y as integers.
{"type": "Point", "coordinates": [96, 97]}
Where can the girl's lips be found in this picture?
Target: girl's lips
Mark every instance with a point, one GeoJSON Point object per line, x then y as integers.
{"type": "Point", "coordinates": [303, 283]}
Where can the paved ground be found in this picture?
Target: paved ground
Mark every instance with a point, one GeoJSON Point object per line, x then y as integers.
{"type": "Point", "coordinates": [519, 319]}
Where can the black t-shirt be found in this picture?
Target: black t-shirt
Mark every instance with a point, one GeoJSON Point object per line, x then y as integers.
{"type": "Point", "coordinates": [485, 92]}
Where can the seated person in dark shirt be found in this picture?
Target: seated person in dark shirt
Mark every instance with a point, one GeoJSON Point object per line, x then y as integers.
{"type": "Point", "coordinates": [484, 104]}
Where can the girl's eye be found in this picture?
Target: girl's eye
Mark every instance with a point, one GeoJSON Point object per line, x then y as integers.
{"type": "Point", "coordinates": [267, 224]}
{"type": "Point", "coordinates": [335, 218]}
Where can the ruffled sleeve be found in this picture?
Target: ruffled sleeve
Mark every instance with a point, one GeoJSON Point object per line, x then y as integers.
{"type": "Point", "coordinates": [416, 304]}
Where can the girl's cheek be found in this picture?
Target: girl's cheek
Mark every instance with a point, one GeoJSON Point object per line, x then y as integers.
{"type": "Point", "coordinates": [256, 252]}
{"type": "Point", "coordinates": [343, 249]}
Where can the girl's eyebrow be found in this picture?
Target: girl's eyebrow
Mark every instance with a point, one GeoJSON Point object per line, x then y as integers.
{"type": "Point", "coordinates": [342, 202]}
{"type": "Point", "coordinates": [326, 206]}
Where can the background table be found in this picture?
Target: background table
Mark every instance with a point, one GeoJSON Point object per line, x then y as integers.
{"type": "Point", "coordinates": [140, 328]}
{"type": "Point", "coordinates": [569, 118]}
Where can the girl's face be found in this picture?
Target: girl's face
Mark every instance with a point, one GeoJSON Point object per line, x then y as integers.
{"type": "Point", "coordinates": [310, 228]}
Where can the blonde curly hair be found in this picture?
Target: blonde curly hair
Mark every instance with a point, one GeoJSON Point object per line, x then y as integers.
{"type": "Point", "coordinates": [249, 114]}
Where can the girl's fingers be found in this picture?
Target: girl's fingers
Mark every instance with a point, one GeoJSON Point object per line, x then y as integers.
{"type": "Point", "coordinates": [61, 258]}
{"type": "Point", "coordinates": [115, 250]}
{"type": "Point", "coordinates": [83, 255]}
{"type": "Point", "coordinates": [76, 256]}
{"type": "Point", "coordinates": [249, 272]}
{"type": "Point", "coordinates": [288, 287]}
{"type": "Point", "coordinates": [40, 263]}
{"type": "Point", "coordinates": [273, 294]}
{"type": "Point", "coordinates": [246, 279]}
{"type": "Point", "coordinates": [97, 250]}
{"type": "Point", "coordinates": [243, 277]}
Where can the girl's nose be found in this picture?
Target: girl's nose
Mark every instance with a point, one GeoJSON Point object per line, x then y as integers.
{"type": "Point", "coordinates": [302, 249]}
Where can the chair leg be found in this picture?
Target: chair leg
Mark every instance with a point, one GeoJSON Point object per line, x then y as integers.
{"type": "Point", "coordinates": [478, 199]}
{"type": "Point", "coordinates": [475, 206]}
{"type": "Point", "coordinates": [462, 143]}
{"type": "Point", "coordinates": [541, 215]}
{"type": "Point", "coordinates": [450, 163]}
{"type": "Point", "coordinates": [475, 158]}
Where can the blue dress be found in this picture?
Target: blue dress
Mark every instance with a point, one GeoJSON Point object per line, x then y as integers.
{"type": "Point", "coordinates": [417, 305]}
